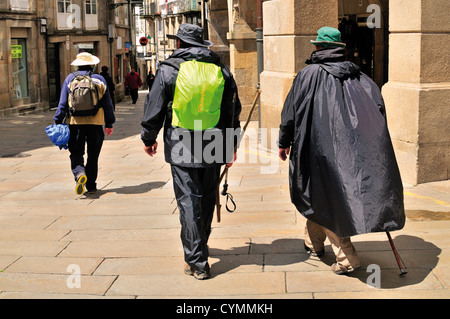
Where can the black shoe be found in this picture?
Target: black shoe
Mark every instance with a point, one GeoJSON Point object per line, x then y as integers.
{"type": "Point", "coordinates": [314, 253]}
{"type": "Point", "coordinates": [92, 191]}
{"type": "Point", "coordinates": [198, 274]}
{"type": "Point", "coordinates": [202, 275]}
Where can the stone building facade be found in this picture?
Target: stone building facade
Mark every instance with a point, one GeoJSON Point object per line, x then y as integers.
{"type": "Point", "coordinates": [23, 84]}
{"type": "Point", "coordinates": [40, 38]}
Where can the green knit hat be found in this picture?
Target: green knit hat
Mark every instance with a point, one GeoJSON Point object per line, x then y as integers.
{"type": "Point", "coordinates": [328, 37]}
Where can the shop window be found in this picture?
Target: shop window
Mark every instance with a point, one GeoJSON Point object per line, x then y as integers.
{"type": "Point", "coordinates": [19, 68]}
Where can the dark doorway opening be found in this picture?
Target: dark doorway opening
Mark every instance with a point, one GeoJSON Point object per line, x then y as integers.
{"type": "Point", "coordinates": [367, 44]}
{"type": "Point", "coordinates": [54, 79]}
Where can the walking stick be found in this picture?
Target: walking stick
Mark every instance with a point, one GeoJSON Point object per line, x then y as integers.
{"type": "Point", "coordinates": [218, 205]}
{"type": "Point", "coordinates": [399, 260]}
{"type": "Point", "coordinates": [225, 171]}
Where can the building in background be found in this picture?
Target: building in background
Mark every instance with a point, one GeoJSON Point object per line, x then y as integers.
{"type": "Point", "coordinates": [96, 26]}
{"type": "Point", "coordinates": [23, 84]}
{"type": "Point", "coordinates": [40, 38]}
{"type": "Point", "coordinates": [164, 17]}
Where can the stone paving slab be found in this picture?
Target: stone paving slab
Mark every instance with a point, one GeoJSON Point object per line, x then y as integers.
{"type": "Point", "coordinates": [119, 249]}
{"type": "Point", "coordinates": [182, 285]}
{"type": "Point", "coordinates": [116, 222]}
{"type": "Point", "coordinates": [31, 248]}
{"type": "Point", "coordinates": [65, 296]}
{"type": "Point", "coordinates": [26, 222]}
{"type": "Point", "coordinates": [135, 207]}
{"type": "Point", "coordinates": [53, 265]}
{"type": "Point", "coordinates": [99, 235]}
{"type": "Point", "coordinates": [32, 235]}
{"type": "Point", "coordinates": [45, 283]}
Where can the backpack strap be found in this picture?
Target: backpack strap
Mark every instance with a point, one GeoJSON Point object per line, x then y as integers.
{"type": "Point", "coordinates": [76, 73]}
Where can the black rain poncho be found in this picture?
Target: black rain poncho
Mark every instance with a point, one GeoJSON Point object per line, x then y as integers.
{"type": "Point", "coordinates": [343, 172]}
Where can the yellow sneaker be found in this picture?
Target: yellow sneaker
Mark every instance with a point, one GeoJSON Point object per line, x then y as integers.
{"type": "Point", "coordinates": [81, 180]}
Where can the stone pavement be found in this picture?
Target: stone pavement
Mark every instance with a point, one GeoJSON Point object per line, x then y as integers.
{"type": "Point", "coordinates": [124, 242]}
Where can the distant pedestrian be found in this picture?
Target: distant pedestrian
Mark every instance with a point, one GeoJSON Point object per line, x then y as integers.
{"type": "Point", "coordinates": [150, 79]}
{"type": "Point", "coordinates": [133, 82]}
{"type": "Point", "coordinates": [110, 83]}
{"type": "Point", "coordinates": [85, 103]}
{"type": "Point", "coordinates": [344, 176]}
{"type": "Point", "coordinates": [193, 98]}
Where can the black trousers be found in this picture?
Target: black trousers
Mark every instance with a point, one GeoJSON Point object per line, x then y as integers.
{"type": "Point", "coordinates": [92, 136]}
{"type": "Point", "coordinates": [134, 95]}
{"type": "Point", "coordinates": [195, 191]}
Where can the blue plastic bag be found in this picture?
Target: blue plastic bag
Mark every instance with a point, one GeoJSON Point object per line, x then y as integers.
{"type": "Point", "coordinates": [59, 134]}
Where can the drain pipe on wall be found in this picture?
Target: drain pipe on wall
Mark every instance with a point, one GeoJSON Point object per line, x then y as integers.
{"type": "Point", "coordinates": [259, 51]}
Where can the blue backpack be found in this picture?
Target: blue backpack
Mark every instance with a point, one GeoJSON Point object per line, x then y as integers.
{"type": "Point", "coordinates": [59, 134]}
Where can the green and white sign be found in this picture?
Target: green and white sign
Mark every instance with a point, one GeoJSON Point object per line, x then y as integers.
{"type": "Point", "coordinates": [16, 51]}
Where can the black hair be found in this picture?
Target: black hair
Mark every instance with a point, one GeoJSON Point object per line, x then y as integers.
{"type": "Point", "coordinates": [85, 68]}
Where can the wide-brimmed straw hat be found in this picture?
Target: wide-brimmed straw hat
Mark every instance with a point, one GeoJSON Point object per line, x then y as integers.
{"type": "Point", "coordinates": [328, 37]}
{"type": "Point", "coordinates": [191, 34]}
{"type": "Point", "coordinates": [85, 58]}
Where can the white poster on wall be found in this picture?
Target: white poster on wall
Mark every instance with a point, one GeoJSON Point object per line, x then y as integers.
{"type": "Point", "coordinates": [21, 5]}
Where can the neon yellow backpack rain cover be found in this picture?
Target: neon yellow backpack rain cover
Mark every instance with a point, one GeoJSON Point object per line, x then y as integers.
{"type": "Point", "coordinates": [198, 95]}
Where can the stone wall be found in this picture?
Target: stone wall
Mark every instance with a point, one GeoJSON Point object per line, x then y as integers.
{"type": "Point", "coordinates": [289, 25]}
{"type": "Point", "coordinates": [418, 92]}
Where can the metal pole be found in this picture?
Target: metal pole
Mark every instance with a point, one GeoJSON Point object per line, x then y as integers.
{"type": "Point", "coordinates": [202, 17]}
{"type": "Point", "coordinates": [164, 35]}
{"type": "Point", "coordinates": [110, 40]}
{"type": "Point", "coordinates": [131, 35]}
{"type": "Point", "coordinates": [259, 51]}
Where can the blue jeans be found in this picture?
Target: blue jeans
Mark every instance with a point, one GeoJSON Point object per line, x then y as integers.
{"type": "Point", "coordinates": [93, 136]}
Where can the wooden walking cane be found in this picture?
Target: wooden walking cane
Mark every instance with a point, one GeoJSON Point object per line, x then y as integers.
{"type": "Point", "coordinates": [225, 171]}
{"type": "Point", "coordinates": [399, 260]}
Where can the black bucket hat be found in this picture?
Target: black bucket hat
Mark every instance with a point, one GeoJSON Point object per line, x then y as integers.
{"type": "Point", "coordinates": [191, 34]}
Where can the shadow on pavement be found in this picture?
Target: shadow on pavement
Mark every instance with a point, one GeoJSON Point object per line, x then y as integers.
{"type": "Point", "coordinates": [127, 190]}
{"type": "Point", "coordinates": [419, 256]}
